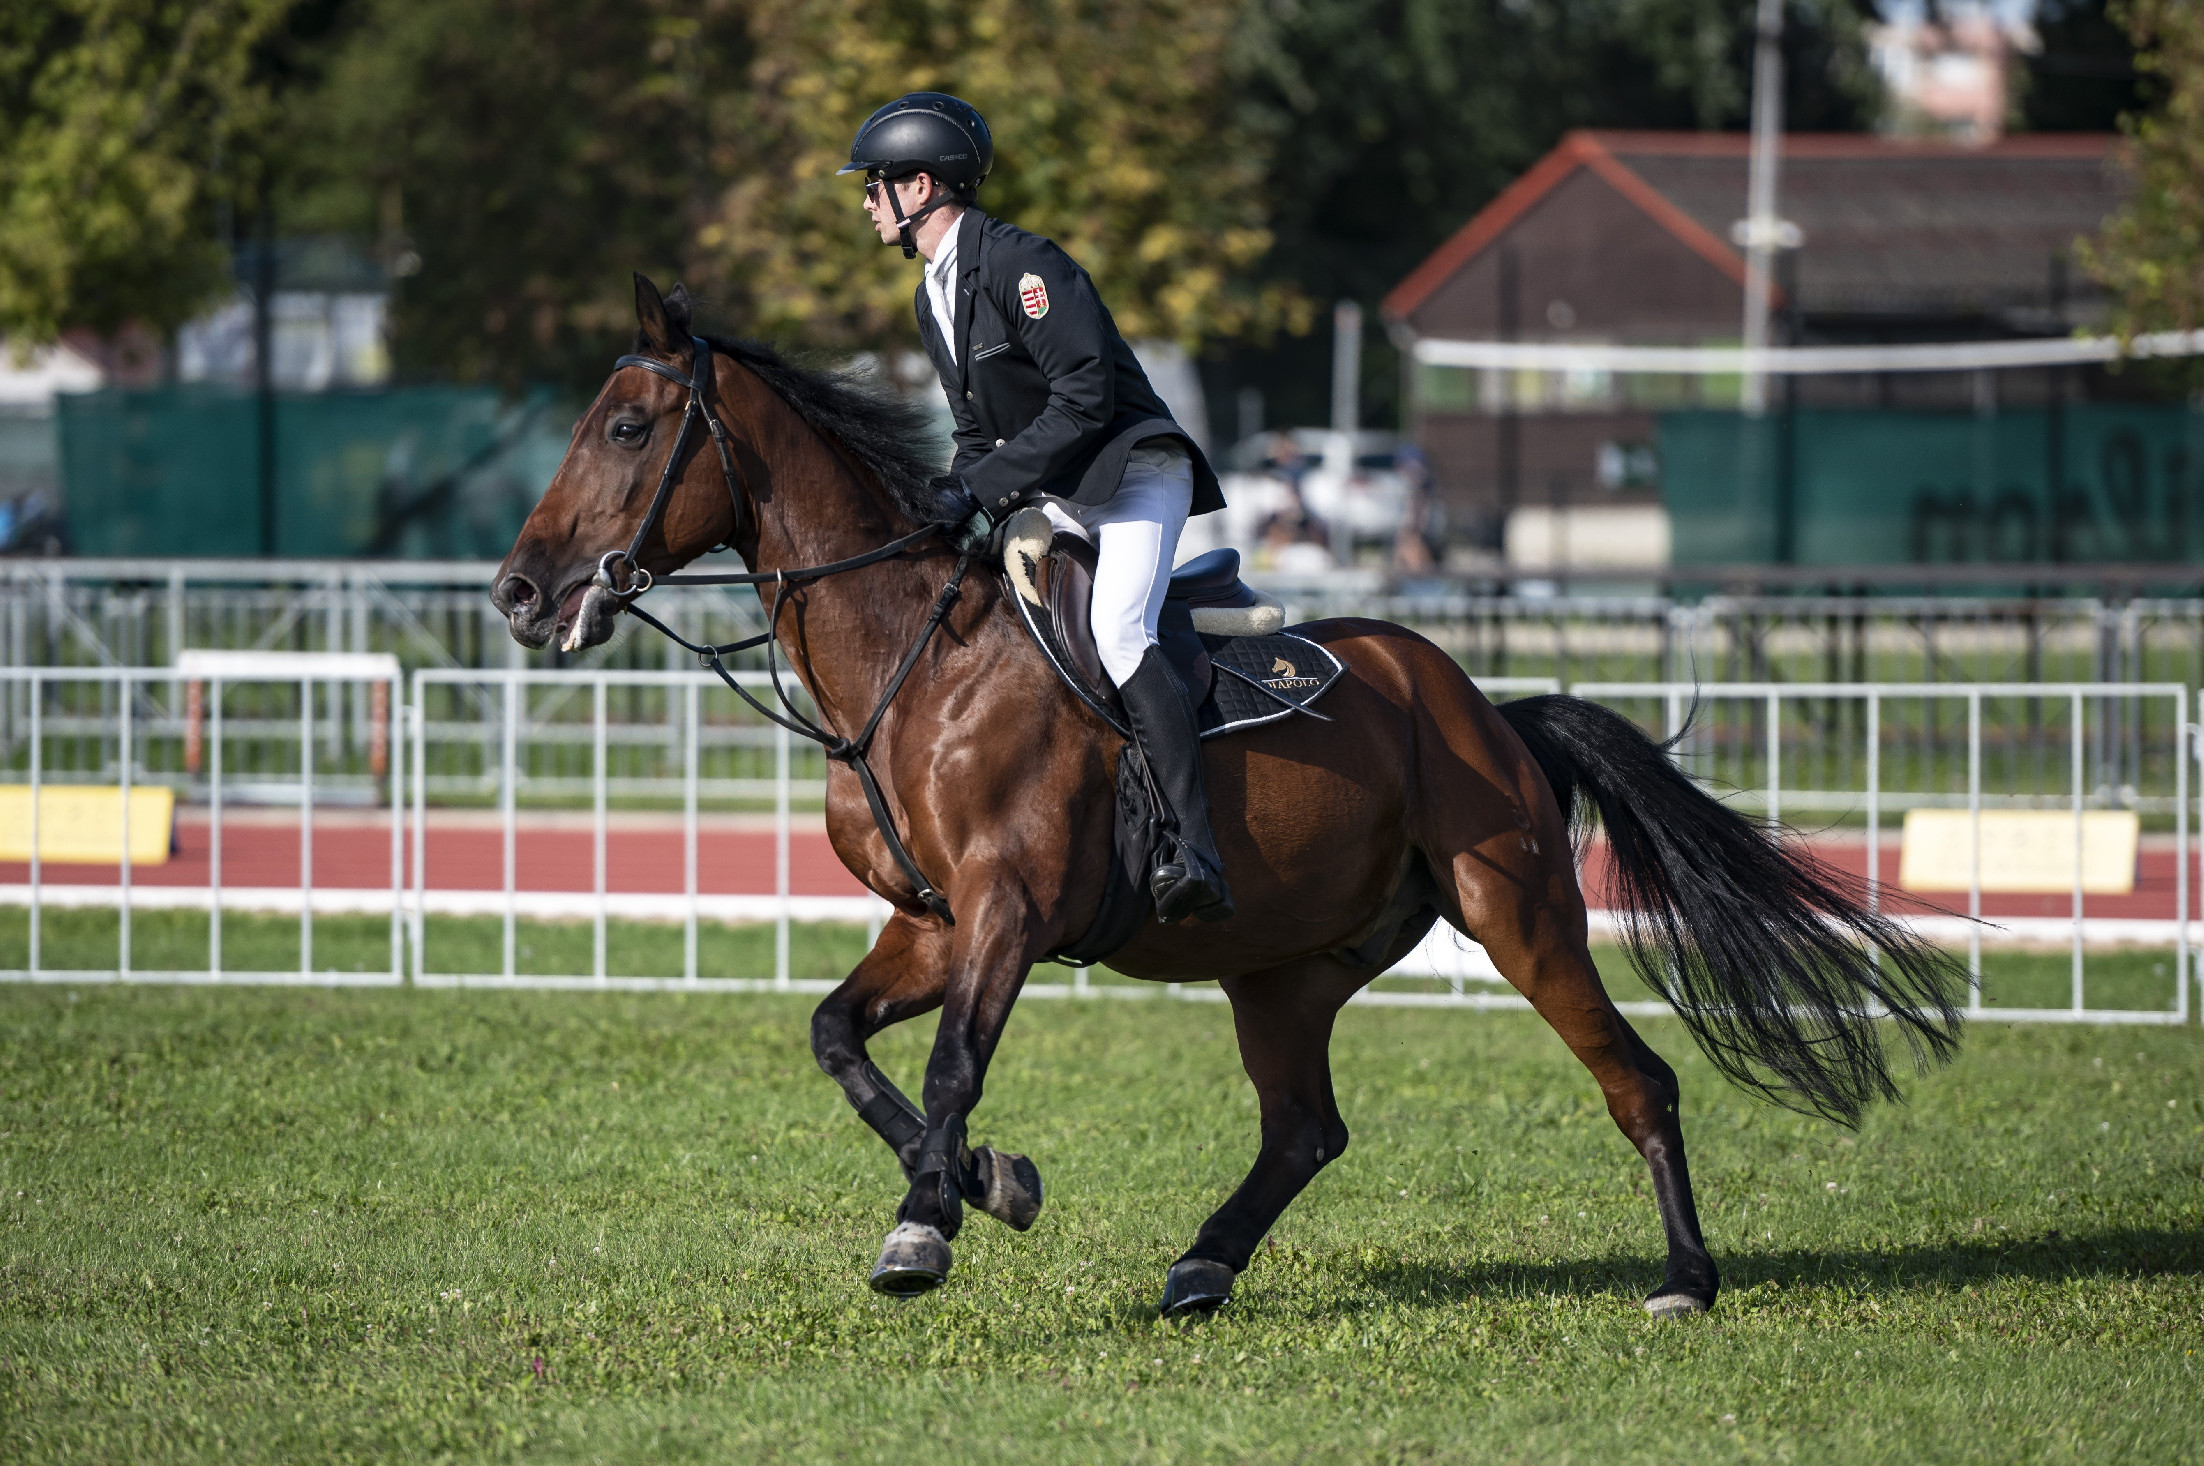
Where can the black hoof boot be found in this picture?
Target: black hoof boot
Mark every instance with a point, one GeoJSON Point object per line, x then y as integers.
{"type": "Point", "coordinates": [1196, 1285]}
{"type": "Point", "coordinates": [1010, 1187]}
{"type": "Point", "coordinates": [914, 1261]}
{"type": "Point", "coordinates": [1665, 1304]}
{"type": "Point", "coordinates": [1685, 1291]}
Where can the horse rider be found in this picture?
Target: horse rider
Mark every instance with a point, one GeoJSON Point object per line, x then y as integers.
{"type": "Point", "coordinates": [1052, 408]}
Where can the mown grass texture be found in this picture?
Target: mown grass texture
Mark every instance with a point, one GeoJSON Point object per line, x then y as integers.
{"type": "Point", "coordinates": [305, 1225]}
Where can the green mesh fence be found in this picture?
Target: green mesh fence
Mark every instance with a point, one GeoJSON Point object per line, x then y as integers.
{"type": "Point", "coordinates": [2094, 482]}
{"type": "Point", "coordinates": [425, 472]}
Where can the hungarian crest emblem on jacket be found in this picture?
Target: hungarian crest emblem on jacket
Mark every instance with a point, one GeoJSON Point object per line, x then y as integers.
{"type": "Point", "coordinates": [1033, 295]}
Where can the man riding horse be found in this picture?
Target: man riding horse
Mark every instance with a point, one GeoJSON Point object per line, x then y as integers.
{"type": "Point", "coordinates": [973, 783]}
{"type": "Point", "coordinates": [1052, 406]}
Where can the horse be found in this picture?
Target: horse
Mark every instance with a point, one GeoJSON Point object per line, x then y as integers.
{"type": "Point", "coordinates": [1346, 839]}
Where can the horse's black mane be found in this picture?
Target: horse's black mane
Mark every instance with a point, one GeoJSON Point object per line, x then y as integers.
{"type": "Point", "coordinates": [886, 433]}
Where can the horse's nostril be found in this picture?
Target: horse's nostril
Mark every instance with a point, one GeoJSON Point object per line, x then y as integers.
{"type": "Point", "coordinates": [520, 592]}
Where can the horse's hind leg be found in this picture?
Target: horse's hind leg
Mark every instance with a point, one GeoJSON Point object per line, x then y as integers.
{"type": "Point", "coordinates": [1283, 1017]}
{"type": "Point", "coordinates": [1541, 950]}
{"type": "Point", "coordinates": [904, 976]}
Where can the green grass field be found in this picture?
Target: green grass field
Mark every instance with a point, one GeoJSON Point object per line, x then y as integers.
{"type": "Point", "coordinates": [2134, 978]}
{"type": "Point", "coordinates": [293, 1226]}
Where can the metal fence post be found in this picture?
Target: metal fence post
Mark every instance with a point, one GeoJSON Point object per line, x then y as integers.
{"type": "Point", "coordinates": [175, 610]}
{"type": "Point", "coordinates": [2182, 735]}
{"type": "Point", "coordinates": [508, 778]}
{"type": "Point", "coordinates": [419, 704]}
{"type": "Point", "coordinates": [38, 797]}
{"type": "Point", "coordinates": [1874, 801]}
{"type": "Point", "coordinates": [1775, 758]}
{"type": "Point", "coordinates": [692, 694]}
{"type": "Point", "coordinates": [397, 834]}
{"type": "Point", "coordinates": [780, 858]}
{"type": "Point", "coordinates": [305, 827]}
{"type": "Point", "coordinates": [1974, 849]}
{"type": "Point", "coordinates": [597, 777]}
{"type": "Point", "coordinates": [126, 754]}
{"type": "Point", "coordinates": [214, 827]}
{"type": "Point", "coordinates": [2080, 774]}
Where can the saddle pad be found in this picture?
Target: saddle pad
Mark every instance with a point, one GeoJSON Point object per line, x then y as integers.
{"type": "Point", "coordinates": [1260, 679]}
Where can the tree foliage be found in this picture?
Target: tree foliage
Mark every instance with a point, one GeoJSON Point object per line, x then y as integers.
{"type": "Point", "coordinates": [1219, 165]}
{"type": "Point", "coordinates": [124, 126]}
{"type": "Point", "coordinates": [518, 158]}
{"type": "Point", "coordinates": [2151, 254]}
{"type": "Point", "coordinates": [1116, 135]}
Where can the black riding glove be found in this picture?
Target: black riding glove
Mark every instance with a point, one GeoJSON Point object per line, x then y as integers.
{"type": "Point", "coordinates": [980, 531]}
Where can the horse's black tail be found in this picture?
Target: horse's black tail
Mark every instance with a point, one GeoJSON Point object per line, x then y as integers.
{"type": "Point", "coordinates": [1770, 957]}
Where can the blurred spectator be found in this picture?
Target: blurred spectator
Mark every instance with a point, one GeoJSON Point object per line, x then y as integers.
{"type": "Point", "coordinates": [1413, 542]}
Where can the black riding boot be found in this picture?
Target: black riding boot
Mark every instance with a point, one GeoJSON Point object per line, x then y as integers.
{"type": "Point", "coordinates": [1189, 881]}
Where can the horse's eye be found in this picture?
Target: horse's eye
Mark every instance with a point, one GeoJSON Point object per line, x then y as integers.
{"type": "Point", "coordinates": [626, 432]}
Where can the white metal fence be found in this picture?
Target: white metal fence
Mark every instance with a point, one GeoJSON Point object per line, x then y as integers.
{"type": "Point", "coordinates": [75, 612]}
{"type": "Point", "coordinates": [1864, 753]}
{"type": "Point", "coordinates": [315, 796]}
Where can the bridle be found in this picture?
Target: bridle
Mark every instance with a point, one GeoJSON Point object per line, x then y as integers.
{"type": "Point", "coordinates": [851, 751]}
{"type": "Point", "coordinates": [698, 379]}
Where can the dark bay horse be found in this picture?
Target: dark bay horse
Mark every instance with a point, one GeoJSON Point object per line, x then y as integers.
{"type": "Point", "coordinates": [1345, 840]}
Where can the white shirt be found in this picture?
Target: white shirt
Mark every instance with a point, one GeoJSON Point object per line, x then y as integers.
{"type": "Point", "coordinates": [941, 287]}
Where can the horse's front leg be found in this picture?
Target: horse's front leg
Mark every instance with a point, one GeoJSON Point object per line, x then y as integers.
{"type": "Point", "coordinates": [904, 976]}
{"type": "Point", "coordinates": [991, 949]}
{"type": "Point", "coordinates": [901, 977]}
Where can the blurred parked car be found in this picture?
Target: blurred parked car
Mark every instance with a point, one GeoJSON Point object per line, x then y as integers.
{"type": "Point", "coordinates": [1305, 497]}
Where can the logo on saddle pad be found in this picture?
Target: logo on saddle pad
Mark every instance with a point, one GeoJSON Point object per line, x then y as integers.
{"type": "Point", "coordinates": [1033, 295]}
{"type": "Point", "coordinates": [1283, 678]}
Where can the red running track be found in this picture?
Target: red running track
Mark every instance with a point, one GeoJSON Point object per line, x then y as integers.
{"type": "Point", "coordinates": [465, 853]}
{"type": "Point", "coordinates": [468, 855]}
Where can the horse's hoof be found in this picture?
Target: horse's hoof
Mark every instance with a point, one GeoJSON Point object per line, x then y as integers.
{"type": "Point", "coordinates": [1676, 1305]}
{"type": "Point", "coordinates": [1196, 1285]}
{"type": "Point", "coordinates": [914, 1261]}
{"type": "Point", "coordinates": [1013, 1188]}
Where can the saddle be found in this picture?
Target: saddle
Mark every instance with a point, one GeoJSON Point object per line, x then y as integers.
{"type": "Point", "coordinates": [1225, 639]}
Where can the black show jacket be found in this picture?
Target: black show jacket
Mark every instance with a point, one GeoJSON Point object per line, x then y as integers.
{"type": "Point", "coordinates": [1047, 396]}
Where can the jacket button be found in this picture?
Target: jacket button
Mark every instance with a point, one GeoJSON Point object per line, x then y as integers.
{"type": "Point", "coordinates": [968, 394]}
{"type": "Point", "coordinates": [998, 442]}
{"type": "Point", "coordinates": [1002, 503]}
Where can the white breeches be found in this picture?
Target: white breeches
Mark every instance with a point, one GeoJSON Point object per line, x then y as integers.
{"type": "Point", "coordinates": [1135, 535]}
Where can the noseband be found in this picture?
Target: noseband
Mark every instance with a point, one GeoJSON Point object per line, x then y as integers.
{"type": "Point", "coordinates": [850, 751]}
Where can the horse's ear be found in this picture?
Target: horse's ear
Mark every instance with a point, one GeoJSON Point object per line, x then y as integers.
{"type": "Point", "coordinates": [655, 331]}
{"type": "Point", "coordinates": [680, 310]}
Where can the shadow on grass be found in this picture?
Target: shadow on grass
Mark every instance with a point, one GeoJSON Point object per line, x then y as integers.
{"type": "Point", "coordinates": [2047, 1257]}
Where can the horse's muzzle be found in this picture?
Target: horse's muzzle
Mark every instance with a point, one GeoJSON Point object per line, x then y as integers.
{"type": "Point", "coordinates": [529, 614]}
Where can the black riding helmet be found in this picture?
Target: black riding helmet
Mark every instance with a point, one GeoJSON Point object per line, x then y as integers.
{"type": "Point", "coordinates": [924, 132]}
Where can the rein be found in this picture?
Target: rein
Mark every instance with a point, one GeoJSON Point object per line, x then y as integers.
{"type": "Point", "coordinates": [850, 751]}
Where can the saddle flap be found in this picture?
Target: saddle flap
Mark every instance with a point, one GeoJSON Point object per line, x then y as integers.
{"type": "Point", "coordinates": [1067, 589]}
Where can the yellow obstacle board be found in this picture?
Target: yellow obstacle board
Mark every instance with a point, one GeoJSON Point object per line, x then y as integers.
{"type": "Point", "coordinates": [82, 823]}
{"type": "Point", "coordinates": [2023, 850]}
